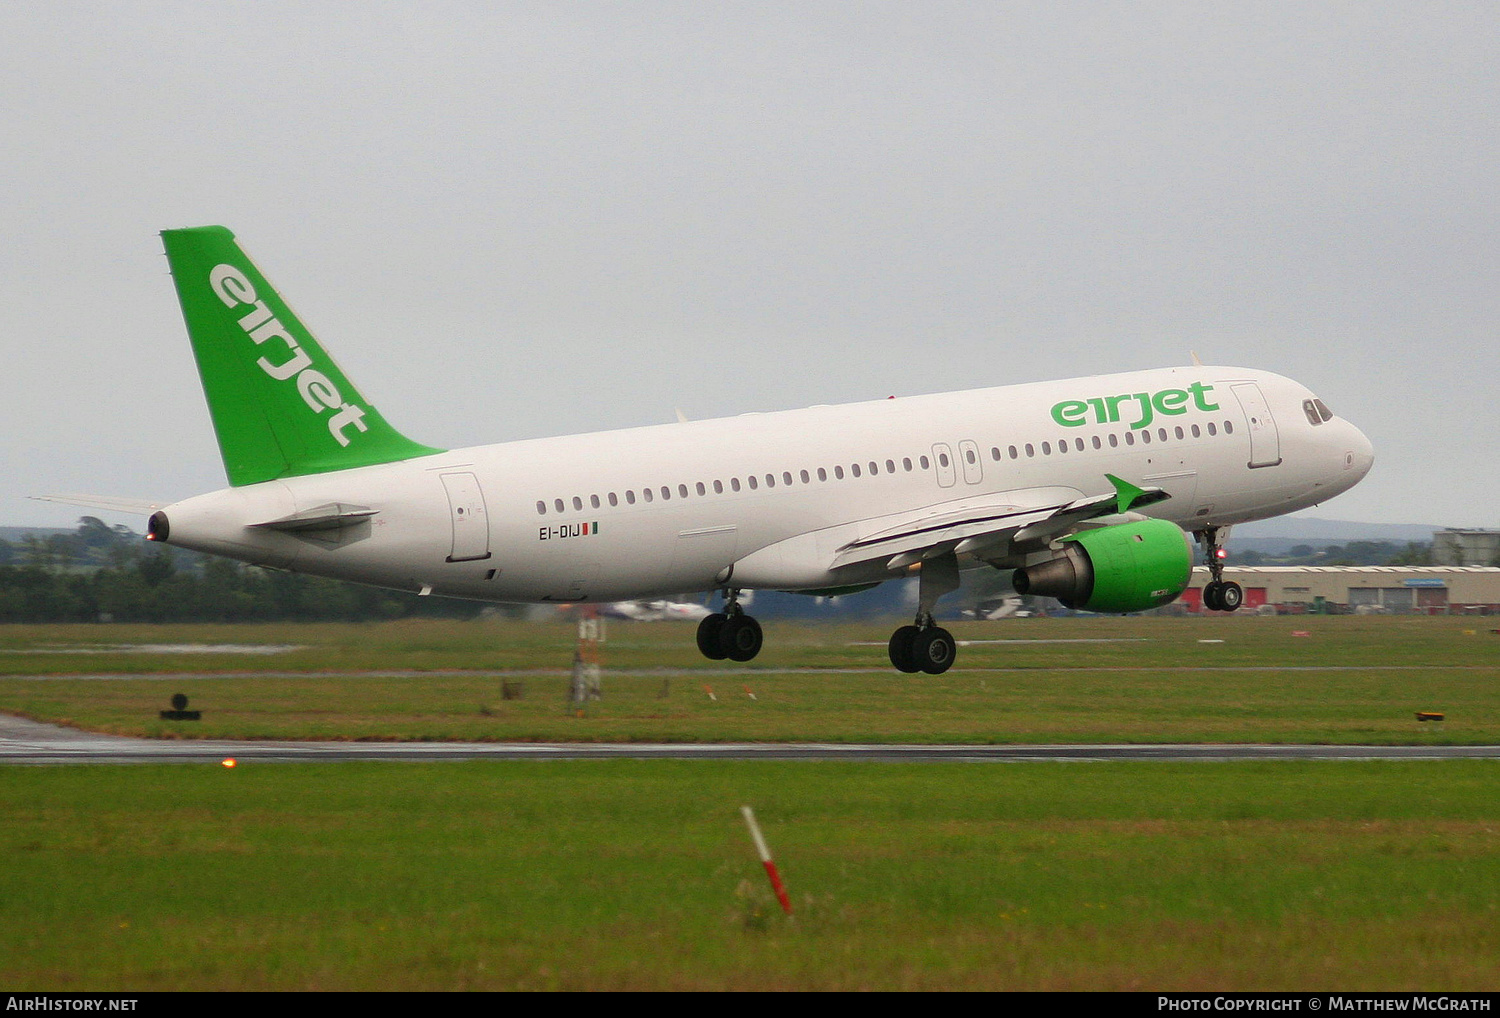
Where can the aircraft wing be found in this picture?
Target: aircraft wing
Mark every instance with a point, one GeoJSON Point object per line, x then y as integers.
{"type": "Point", "coordinates": [109, 502]}
{"type": "Point", "coordinates": [1007, 522]}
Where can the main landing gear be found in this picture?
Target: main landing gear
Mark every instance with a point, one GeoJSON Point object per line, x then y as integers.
{"type": "Point", "coordinates": [1218, 594]}
{"type": "Point", "coordinates": [926, 646]}
{"type": "Point", "coordinates": [729, 634]}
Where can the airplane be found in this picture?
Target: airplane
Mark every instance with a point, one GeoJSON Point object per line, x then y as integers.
{"type": "Point", "coordinates": [658, 610]}
{"type": "Point", "coordinates": [1087, 488]}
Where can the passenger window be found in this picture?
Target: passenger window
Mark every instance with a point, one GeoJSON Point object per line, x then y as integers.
{"type": "Point", "coordinates": [734, 483]}
{"type": "Point", "coordinates": [854, 469]}
{"type": "Point", "coordinates": [1098, 444]}
{"type": "Point", "coordinates": [646, 493]}
{"type": "Point", "coordinates": [1146, 436]}
{"type": "Point", "coordinates": [718, 487]}
{"type": "Point", "coordinates": [838, 473]}
{"type": "Point", "coordinates": [943, 459]}
{"type": "Point", "coordinates": [770, 480]}
{"type": "Point", "coordinates": [666, 493]}
{"type": "Point", "coordinates": [1078, 444]}
{"type": "Point", "coordinates": [701, 489]}
{"type": "Point", "coordinates": [1030, 450]}
{"type": "Point", "coordinates": [1211, 429]}
{"type": "Point", "coordinates": [682, 490]}
{"type": "Point", "coordinates": [1161, 433]}
{"type": "Point", "coordinates": [1114, 440]}
{"type": "Point", "coordinates": [1014, 454]}
{"type": "Point", "coordinates": [906, 463]}
{"type": "Point", "coordinates": [577, 504]}
{"type": "Point", "coordinates": [1178, 430]}
{"type": "Point", "coordinates": [924, 461]}
{"type": "Point", "coordinates": [594, 501]}
{"type": "Point", "coordinates": [786, 477]}
{"type": "Point", "coordinates": [541, 508]}
{"type": "Point", "coordinates": [1046, 448]}
{"type": "Point", "coordinates": [1130, 438]}
{"type": "Point", "coordinates": [558, 503]}
{"type": "Point", "coordinates": [969, 455]}
{"type": "Point", "coordinates": [874, 469]}
{"type": "Point", "coordinates": [822, 474]}
{"type": "Point", "coordinates": [752, 482]}
{"type": "Point", "coordinates": [805, 478]}
{"type": "Point", "coordinates": [890, 467]}
{"type": "Point", "coordinates": [613, 500]}
{"type": "Point", "coordinates": [630, 497]}
{"type": "Point", "coordinates": [995, 453]}
{"type": "Point", "coordinates": [1196, 432]}
{"type": "Point", "coordinates": [1228, 427]}
{"type": "Point", "coordinates": [1062, 446]}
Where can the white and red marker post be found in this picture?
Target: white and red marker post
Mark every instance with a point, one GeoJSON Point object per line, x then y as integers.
{"type": "Point", "coordinates": [766, 860]}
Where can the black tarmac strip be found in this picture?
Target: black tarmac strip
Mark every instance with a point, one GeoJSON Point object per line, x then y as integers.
{"type": "Point", "coordinates": [31, 742]}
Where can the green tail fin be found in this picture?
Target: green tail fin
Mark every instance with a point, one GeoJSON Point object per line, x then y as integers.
{"type": "Point", "coordinates": [280, 406]}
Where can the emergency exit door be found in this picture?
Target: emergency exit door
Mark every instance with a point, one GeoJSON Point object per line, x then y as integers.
{"type": "Point", "coordinates": [471, 524]}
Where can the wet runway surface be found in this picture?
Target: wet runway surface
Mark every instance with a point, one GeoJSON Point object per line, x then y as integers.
{"type": "Point", "coordinates": [32, 742]}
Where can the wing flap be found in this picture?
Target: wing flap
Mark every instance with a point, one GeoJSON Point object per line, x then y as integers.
{"type": "Point", "coordinates": [1025, 516]}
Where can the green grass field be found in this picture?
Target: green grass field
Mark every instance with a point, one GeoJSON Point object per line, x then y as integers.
{"type": "Point", "coordinates": [1350, 680]}
{"type": "Point", "coordinates": [639, 874]}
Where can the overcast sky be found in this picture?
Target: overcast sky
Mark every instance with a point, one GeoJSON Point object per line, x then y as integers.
{"type": "Point", "coordinates": [510, 220]}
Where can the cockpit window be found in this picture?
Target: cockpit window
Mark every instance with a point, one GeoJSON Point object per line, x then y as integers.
{"type": "Point", "coordinates": [1323, 410]}
{"type": "Point", "coordinates": [1311, 410]}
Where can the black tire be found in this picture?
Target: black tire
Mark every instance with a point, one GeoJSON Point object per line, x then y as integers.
{"type": "Point", "coordinates": [933, 650]}
{"type": "Point", "coordinates": [708, 636]}
{"type": "Point", "coordinates": [900, 649]}
{"type": "Point", "coordinates": [1231, 596]}
{"type": "Point", "coordinates": [1211, 596]}
{"type": "Point", "coordinates": [740, 638]}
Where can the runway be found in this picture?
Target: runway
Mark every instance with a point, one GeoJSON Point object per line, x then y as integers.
{"type": "Point", "coordinates": [32, 742]}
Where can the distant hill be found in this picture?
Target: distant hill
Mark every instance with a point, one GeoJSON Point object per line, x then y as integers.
{"type": "Point", "coordinates": [1315, 531]}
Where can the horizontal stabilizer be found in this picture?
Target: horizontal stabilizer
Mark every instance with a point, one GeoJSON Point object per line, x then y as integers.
{"type": "Point", "coordinates": [141, 506]}
{"type": "Point", "coordinates": [333, 516]}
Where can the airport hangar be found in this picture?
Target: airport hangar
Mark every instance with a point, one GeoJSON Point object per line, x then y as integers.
{"type": "Point", "coordinates": [1407, 590]}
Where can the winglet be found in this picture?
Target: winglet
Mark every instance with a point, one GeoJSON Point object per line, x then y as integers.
{"type": "Point", "coordinates": [1126, 493]}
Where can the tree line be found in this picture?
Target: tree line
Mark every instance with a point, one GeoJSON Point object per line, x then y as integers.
{"type": "Point", "coordinates": [99, 573]}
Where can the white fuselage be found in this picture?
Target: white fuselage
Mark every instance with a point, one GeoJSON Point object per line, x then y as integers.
{"type": "Point", "coordinates": [766, 500]}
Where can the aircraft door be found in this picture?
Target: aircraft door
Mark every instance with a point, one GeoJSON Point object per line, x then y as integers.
{"type": "Point", "coordinates": [1265, 440]}
{"type": "Point", "coordinates": [942, 462]}
{"type": "Point", "coordinates": [471, 524]}
{"type": "Point", "coordinates": [968, 453]}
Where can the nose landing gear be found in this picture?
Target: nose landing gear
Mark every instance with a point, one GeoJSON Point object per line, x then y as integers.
{"type": "Point", "coordinates": [1218, 594]}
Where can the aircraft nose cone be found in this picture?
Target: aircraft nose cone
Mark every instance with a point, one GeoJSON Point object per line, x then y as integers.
{"type": "Point", "coordinates": [1360, 454]}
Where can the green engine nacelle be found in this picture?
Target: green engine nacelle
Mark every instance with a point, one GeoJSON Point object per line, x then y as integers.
{"type": "Point", "coordinates": [1128, 567]}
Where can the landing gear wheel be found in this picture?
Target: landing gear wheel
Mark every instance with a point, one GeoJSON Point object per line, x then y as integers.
{"type": "Point", "coordinates": [901, 642]}
{"type": "Point", "coordinates": [1211, 596]}
{"type": "Point", "coordinates": [708, 636]}
{"type": "Point", "coordinates": [1231, 596]}
{"type": "Point", "coordinates": [739, 638]}
{"type": "Point", "coordinates": [933, 650]}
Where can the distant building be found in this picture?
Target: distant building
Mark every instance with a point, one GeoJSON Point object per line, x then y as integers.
{"type": "Point", "coordinates": [1419, 590]}
{"type": "Point", "coordinates": [1459, 547]}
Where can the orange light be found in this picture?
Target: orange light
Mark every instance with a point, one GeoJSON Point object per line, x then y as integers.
{"type": "Point", "coordinates": [229, 761]}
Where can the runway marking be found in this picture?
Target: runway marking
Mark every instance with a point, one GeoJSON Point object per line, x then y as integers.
{"type": "Point", "coordinates": [23, 741]}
